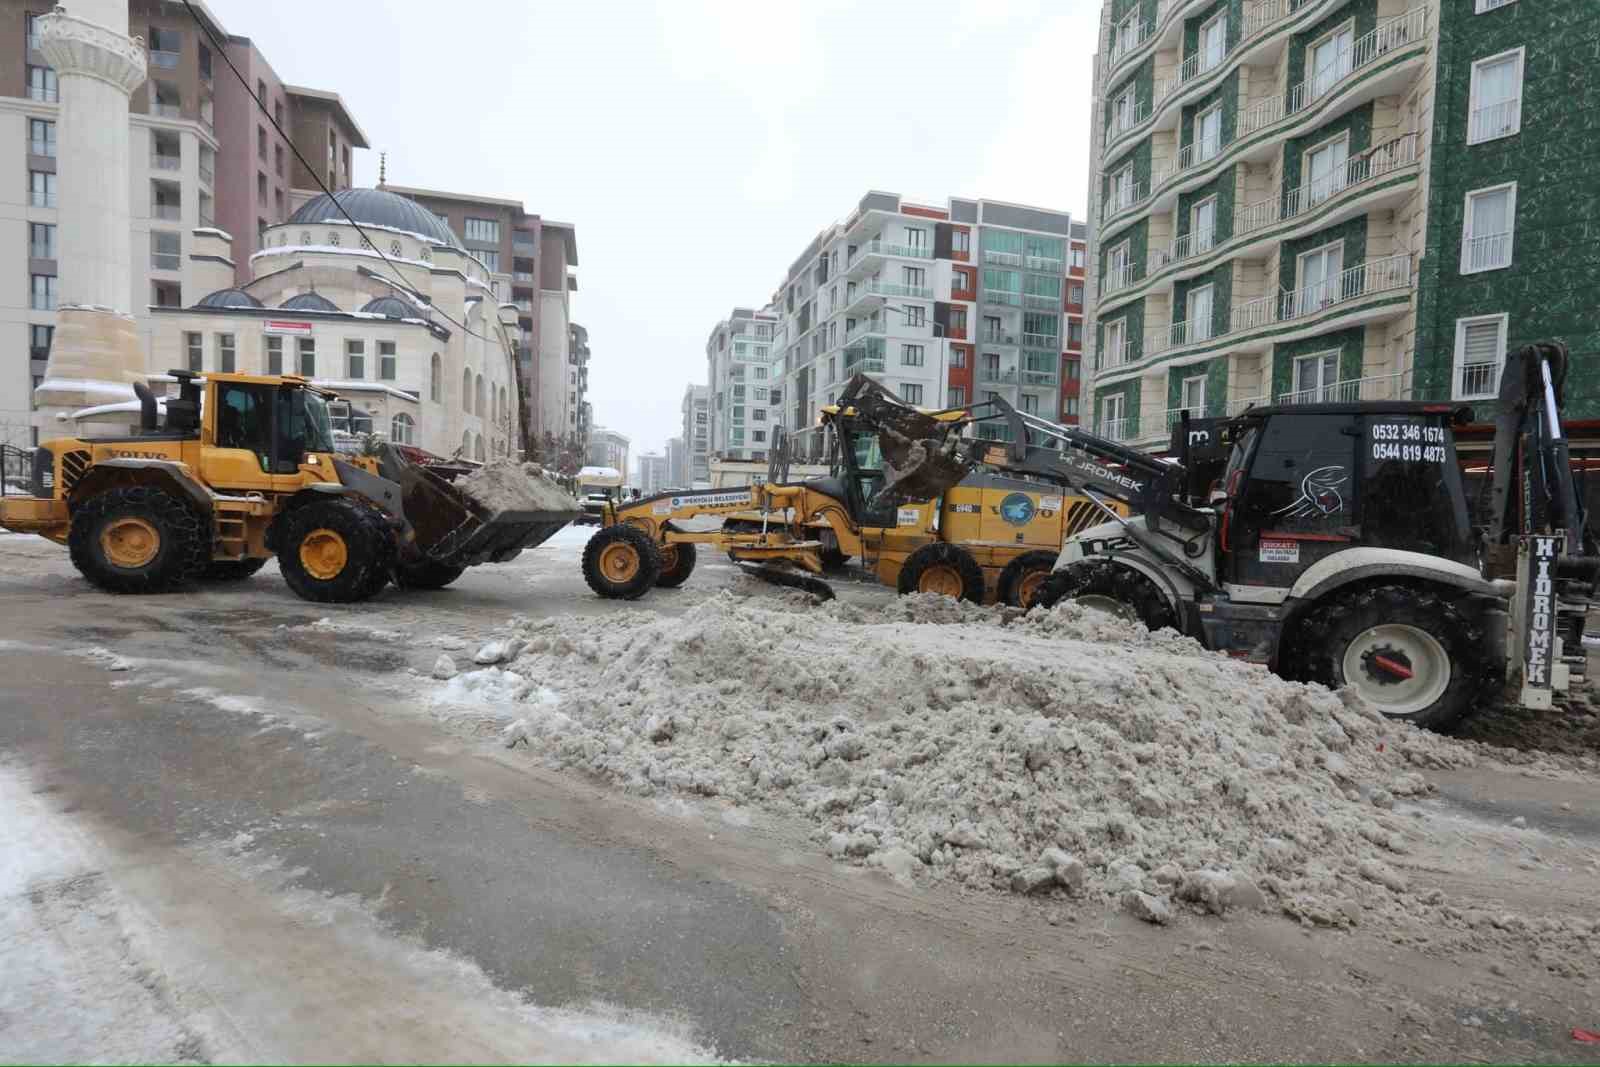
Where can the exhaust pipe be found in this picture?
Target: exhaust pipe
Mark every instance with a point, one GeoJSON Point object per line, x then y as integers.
{"type": "Point", "coordinates": [147, 407]}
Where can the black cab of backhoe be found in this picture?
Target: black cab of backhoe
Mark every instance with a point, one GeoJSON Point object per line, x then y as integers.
{"type": "Point", "coordinates": [1304, 481]}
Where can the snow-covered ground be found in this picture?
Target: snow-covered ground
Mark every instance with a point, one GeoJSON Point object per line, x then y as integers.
{"type": "Point", "coordinates": [204, 955]}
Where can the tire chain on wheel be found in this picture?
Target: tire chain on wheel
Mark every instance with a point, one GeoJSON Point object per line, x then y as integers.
{"type": "Point", "coordinates": [943, 554]}
{"type": "Point", "coordinates": [1018, 569]}
{"type": "Point", "coordinates": [186, 528]}
{"type": "Point", "coordinates": [1106, 578]}
{"type": "Point", "coordinates": [374, 523]}
{"type": "Point", "coordinates": [649, 563]}
{"type": "Point", "coordinates": [1308, 652]}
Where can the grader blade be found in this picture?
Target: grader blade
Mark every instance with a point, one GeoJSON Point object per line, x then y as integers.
{"type": "Point", "coordinates": [790, 578]}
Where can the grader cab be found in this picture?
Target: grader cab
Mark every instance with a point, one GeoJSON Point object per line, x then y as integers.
{"type": "Point", "coordinates": [244, 467]}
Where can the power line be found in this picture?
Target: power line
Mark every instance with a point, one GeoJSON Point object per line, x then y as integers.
{"type": "Point", "coordinates": [222, 51]}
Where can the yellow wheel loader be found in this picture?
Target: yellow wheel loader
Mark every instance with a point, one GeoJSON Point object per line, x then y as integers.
{"type": "Point", "coordinates": [244, 468]}
{"type": "Point", "coordinates": [990, 537]}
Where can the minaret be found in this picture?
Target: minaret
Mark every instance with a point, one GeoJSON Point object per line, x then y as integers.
{"type": "Point", "coordinates": [96, 353]}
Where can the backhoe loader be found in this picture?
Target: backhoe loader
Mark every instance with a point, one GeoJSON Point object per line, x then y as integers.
{"type": "Point", "coordinates": [989, 537]}
{"type": "Point", "coordinates": [244, 468]}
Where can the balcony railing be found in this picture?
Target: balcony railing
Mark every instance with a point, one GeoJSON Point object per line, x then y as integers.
{"type": "Point", "coordinates": [33, 42]}
{"type": "Point", "coordinates": [1050, 264]}
{"type": "Point", "coordinates": [1117, 279]}
{"type": "Point", "coordinates": [1388, 157]}
{"type": "Point", "coordinates": [158, 161]}
{"type": "Point", "coordinates": [1038, 377]}
{"type": "Point", "coordinates": [166, 111]}
{"type": "Point", "coordinates": [165, 260]}
{"type": "Point", "coordinates": [1495, 120]}
{"type": "Point", "coordinates": [522, 276]}
{"type": "Point", "coordinates": [1123, 429]}
{"type": "Point", "coordinates": [999, 375]}
{"type": "Point", "coordinates": [1242, 403]}
{"type": "Point", "coordinates": [44, 94]}
{"type": "Point", "coordinates": [1045, 301]}
{"type": "Point", "coordinates": [166, 211]}
{"type": "Point", "coordinates": [920, 292]}
{"type": "Point", "coordinates": [1042, 340]}
{"type": "Point", "coordinates": [1491, 251]}
{"type": "Point", "coordinates": [1374, 276]}
{"type": "Point", "coordinates": [1376, 387]}
{"type": "Point", "coordinates": [524, 248]}
{"type": "Point", "coordinates": [1132, 32]}
{"type": "Point", "coordinates": [163, 59]}
{"type": "Point", "coordinates": [1396, 33]}
{"type": "Point", "coordinates": [998, 337]}
{"type": "Point", "coordinates": [1479, 381]}
{"type": "Point", "coordinates": [1002, 259]}
{"type": "Point", "coordinates": [1001, 296]}
{"type": "Point", "coordinates": [1114, 355]}
{"type": "Point", "coordinates": [1189, 245]}
{"type": "Point", "coordinates": [1125, 119]}
{"type": "Point", "coordinates": [884, 248]}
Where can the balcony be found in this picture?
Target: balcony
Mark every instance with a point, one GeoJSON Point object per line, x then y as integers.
{"type": "Point", "coordinates": [916, 292]}
{"type": "Point", "coordinates": [1118, 279]}
{"type": "Point", "coordinates": [998, 375]}
{"type": "Point", "coordinates": [1042, 340]}
{"type": "Point", "coordinates": [1377, 387]}
{"type": "Point", "coordinates": [522, 276]}
{"type": "Point", "coordinates": [164, 59]}
{"type": "Point", "coordinates": [1123, 429]}
{"type": "Point", "coordinates": [167, 111]}
{"type": "Point", "coordinates": [1491, 251]}
{"type": "Point", "coordinates": [885, 248]}
{"type": "Point", "coordinates": [524, 307]}
{"type": "Point", "coordinates": [1495, 120]}
{"type": "Point", "coordinates": [1398, 32]}
{"type": "Point", "coordinates": [1001, 296]}
{"type": "Point", "coordinates": [207, 222]}
{"type": "Point", "coordinates": [165, 261]}
{"type": "Point", "coordinates": [169, 212]}
{"type": "Point", "coordinates": [526, 249]}
{"type": "Point", "coordinates": [1042, 301]}
{"type": "Point", "coordinates": [1038, 377]}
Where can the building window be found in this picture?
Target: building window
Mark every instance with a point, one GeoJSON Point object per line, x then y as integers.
{"type": "Point", "coordinates": [911, 355]}
{"type": "Point", "coordinates": [227, 362]}
{"type": "Point", "coordinates": [1116, 349]}
{"type": "Point", "coordinates": [738, 413]}
{"type": "Point", "coordinates": [1111, 420]}
{"type": "Point", "coordinates": [306, 351]}
{"type": "Point", "coordinates": [960, 281]}
{"type": "Point", "coordinates": [1122, 112]}
{"type": "Point", "coordinates": [194, 349]}
{"type": "Point", "coordinates": [1207, 134]}
{"type": "Point", "coordinates": [480, 402]}
{"type": "Point", "coordinates": [1329, 59]}
{"type": "Point", "coordinates": [1494, 104]}
{"type": "Point", "coordinates": [1480, 353]}
{"type": "Point", "coordinates": [41, 188]}
{"type": "Point", "coordinates": [435, 380]}
{"type": "Point", "coordinates": [485, 230]}
{"type": "Point", "coordinates": [41, 137]}
{"type": "Point", "coordinates": [916, 238]}
{"type": "Point", "coordinates": [956, 397]}
{"type": "Point", "coordinates": [402, 429]}
{"type": "Point", "coordinates": [911, 392]}
{"type": "Point", "coordinates": [1213, 41]}
{"type": "Point", "coordinates": [913, 277]}
{"type": "Point", "coordinates": [1071, 369]}
{"type": "Point", "coordinates": [1122, 189]}
{"type": "Point", "coordinates": [261, 141]}
{"type": "Point", "coordinates": [42, 85]}
{"type": "Point", "coordinates": [466, 390]}
{"type": "Point", "coordinates": [1316, 378]}
{"type": "Point", "coordinates": [958, 321]}
{"type": "Point", "coordinates": [914, 315]}
{"type": "Point", "coordinates": [41, 240]}
{"type": "Point", "coordinates": [1069, 406]}
{"type": "Point", "coordinates": [1488, 229]}
{"type": "Point", "coordinates": [758, 414]}
{"type": "Point", "coordinates": [961, 241]}
{"type": "Point", "coordinates": [1030, 403]}
{"type": "Point", "coordinates": [39, 338]}
{"type": "Point", "coordinates": [274, 355]}
{"type": "Point", "coordinates": [1202, 226]}
{"type": "Point", "coordinates": [43, 296]}
{"type": "Point", "coordinates": [491, 261]}
{"type": "Point", "coordinates": [1323, 173]}
{"type": "Point", "coordinates": [1077, 257]}
{"type": "Point", "coordinates": [1192, 396]}
{"type": "Point", "coordinates": [958, 357]}
{"type": "Point", "coordinates": [355, 358]}
{"type": "Point", "coordinates": [1075, 293]}
{"type": "Point", "coordinates": [1199, 314]}
{"type": "Point", "coordinates": [1318, 272]}
{"type": "Point", "coordinates": [1075, 334]}
{"type": "Point", "coordinates": [166, 250]}
{"type": "Point", "coordinates": [386, 361]}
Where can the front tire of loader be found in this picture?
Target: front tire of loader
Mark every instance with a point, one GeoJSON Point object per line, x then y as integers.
{"type": "Point", "coordinates": [1024, 577]}
{"type": "Point", "coordinates": [677, 563]}
{"type": "Point", "coordinates": [231, 570]}
{"type": "Point", "coordinates": [941, 567]}
{"type": "Point", "coordinates": [137, 539]}
{"type": "Point", "coordinates": [336, 551]}
{"type": "Point", "coordinates": [621, 563]}
{"type": "Point", "coordinates": [1110, 587]}
{"type": "Point", "coordinates": [426, 574]}
{"type": "Point", "coordinates": [1413, 654]}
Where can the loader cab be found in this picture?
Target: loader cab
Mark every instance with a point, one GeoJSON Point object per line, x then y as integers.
{"type": "Point", "coordinates": [266, 426]}
{"type": "Point", "coordinates": [859, 468]}
{"type": "Point", "coordinates": [1304, 482]}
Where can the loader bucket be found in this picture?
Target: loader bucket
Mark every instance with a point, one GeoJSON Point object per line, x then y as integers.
{"type": "Point", "coordinates": [454, 529]}
{"type": "Point", "coordinates": [922, 455]}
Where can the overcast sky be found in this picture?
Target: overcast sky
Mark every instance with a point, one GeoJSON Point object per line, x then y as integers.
{"type": "Point", "coordinates": [698, 145]}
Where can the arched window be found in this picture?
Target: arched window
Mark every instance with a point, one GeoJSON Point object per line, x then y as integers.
{"type": "Point", "coordinates": [480, 405]}
{"type": "Point", "coordinates": [435, 379]}
{"type": "Point", "coordinates": [402, 429]}
{"type": "Point", "coordinates": [478, 448]}
{"type": "Point", "coordinates": [466, 390]}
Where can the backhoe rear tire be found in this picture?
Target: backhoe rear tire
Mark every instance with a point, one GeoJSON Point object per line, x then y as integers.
{"type": "Point", "coordinates": [677, 563]}
{"type": "Point", "coordinates": [941, 567]}
{"type": "Point", "coordinates": [1416, 655]}
{"type": "Point", "coordinates": [426, 574]}
{"type": "Point", "coordinates": [231, 570]}
{"type": "Point", "coordinates": [621, 563]}
{"type": "Point", "coordinates": [138, 539]}
{"type": "Point", "coordinates": [1111, 587]}
{"type": "Point", "coordinates": [336, 551]}
{"type": "Point", "coordinates": [1023, 577]}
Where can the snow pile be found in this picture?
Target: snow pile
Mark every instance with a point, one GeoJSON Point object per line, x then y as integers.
{"type": "Point", "coordinates": [507, 485]}
{"type": "Point", "coordinates": [1063, 751]}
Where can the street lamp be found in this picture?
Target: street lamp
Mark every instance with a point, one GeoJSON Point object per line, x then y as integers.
{"type": "Point", "coordinates": [944, 350]}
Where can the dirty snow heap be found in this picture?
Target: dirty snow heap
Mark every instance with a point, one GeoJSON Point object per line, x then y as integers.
{"type": "Point", "coordinates": [506, 485]}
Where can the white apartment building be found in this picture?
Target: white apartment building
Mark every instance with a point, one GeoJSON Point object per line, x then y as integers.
{"type": "Point", "coordinates": [696, 437]}
{"type": "Point", "coordinates": [745, 395]}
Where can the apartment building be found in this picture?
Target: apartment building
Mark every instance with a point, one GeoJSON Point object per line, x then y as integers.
{"type": "Point", "coordinates": [744, 369]}
{"type": "Point", "coordinates": [696, 468]}
{"type": "Point", "coordinates": [533, 263]}
{"type": "Point", "coordinates": [201, 159]}
{"type": "Point", "coordinates": [942, 304]}
{"type": "Point", "coordinates": [655, 473]}
{"type": "Point", "coordinates": [607, 448]}
{"type": "Point", "coordinates": [1336, 200]}
{"type": "Point", "coordinates": [677, 461]}
{"type": "Point", "coordinates": [578, 379]}
{"type": "Point", "coordinates": [1069, 408]}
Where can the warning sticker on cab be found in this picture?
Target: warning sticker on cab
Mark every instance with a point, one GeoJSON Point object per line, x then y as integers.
{"type": "Point", "coordinates": [1275, 550]}
{"type": "Point", "coordinates": [907, 517]}
{"type": "Point", "coordinates": [1049, 503]}
{"type": "Point", "coordinates": [661, 507]}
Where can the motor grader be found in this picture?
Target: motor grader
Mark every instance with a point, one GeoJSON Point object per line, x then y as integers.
{"type": "Point", "coordinates": [243, 468]}
{"type": "Point", "coordinates": [990, 537]}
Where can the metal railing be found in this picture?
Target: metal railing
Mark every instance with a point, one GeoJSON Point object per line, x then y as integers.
{"type": "Point", "coordinates": [1122, 429]}
{"type": "Point", "coordinates": [1001, 296]}
{"type": "Point", "coordinates": [1042, 340]}
{"type": "Point", "coordinates": [1201, 411]}
{"type": "Point", "coordinates": [1001, 375]}
{"type": "Point", "coordinates": [1038, 377]}
{"type": "Point", "coordinates": [1375, 163]}
{"type": "Point", "coordinates": [165, 162]}
{"type": "Point", "coordinates": [207, 222]}
{"type": "Point", "coordinates": [1051, 264]}
{"type": "Point", "coordinates": [1123, 121]}
{"type": "Point", "coordinates": [1479, 380]}
{"type": "Point", "coordinates": [1397, 32]}
{"type": "Point", "coordinates": [998, 337]}
{"type": "Point", "coordinates": [524, 248]}
{"type": "Point", "coordinates": [1495, 120]}
{"type": "Point", "coordinates": [1189, 245]}
{"type": "Point", "coordinates": [1117, 279]}
{"type": "Point", "coordinates": [522, 276]}
{"type": "Point", "coordinates": [865, 365]}
{"type": "Point", "coordinates": [1002, 259]}
{"type": "Point", "coordinates": [884, 248]}
{"type": "Point", "coordinates": [1491, 251]}
{"type": "Point", "coordinates": [1233, 407]}
{"type": "Point", "coordinates": [1043, 301]}
{"type": "Point", "coordinates": [1111, 356]}
{"type": "Point", "coordinates": [1373, 276]}
{"type": "Point", "coordinates": [921, 292]}
{"type": "Point", "coordinates": [1374, 387]}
